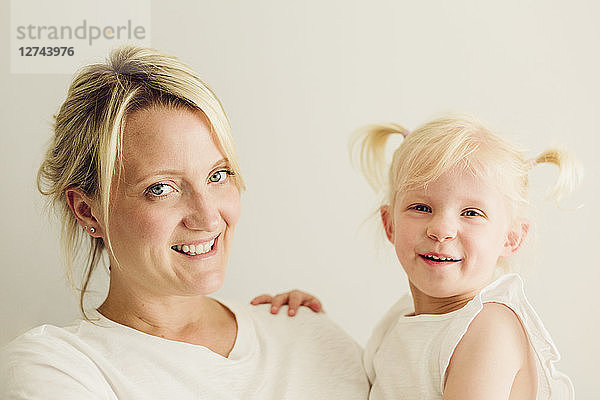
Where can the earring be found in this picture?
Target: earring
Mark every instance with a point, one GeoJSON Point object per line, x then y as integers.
{"type": "Point", "coordinates": [92, 229]}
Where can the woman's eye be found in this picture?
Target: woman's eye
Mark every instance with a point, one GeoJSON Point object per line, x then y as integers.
{"type": "Point", "coordinates": [421, 208]}
{"type": "Point", "coordinates": [160, 189]}
{"type": "Point", "coordinates": [220, 176]}
{"type": "Point", "coordinates": [472, 213]}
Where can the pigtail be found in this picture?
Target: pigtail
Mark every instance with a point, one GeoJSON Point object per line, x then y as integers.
{"type": "Point", "coordinates": [367, 149]}
{"type": "Point", "coordinates": [570, 172]}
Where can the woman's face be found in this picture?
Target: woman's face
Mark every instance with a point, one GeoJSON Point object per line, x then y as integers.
{"type": "Point", "coordinates": [173, 213]}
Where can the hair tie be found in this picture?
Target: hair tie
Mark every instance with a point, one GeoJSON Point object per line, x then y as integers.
{"type": "Point", "coordinates": [404, 132]}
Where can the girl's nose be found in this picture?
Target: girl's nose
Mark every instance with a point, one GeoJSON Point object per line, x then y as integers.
{"type": "Point", "coordinates": [203, 213]}
{"type": "Point", "coordinates": [441, 229]}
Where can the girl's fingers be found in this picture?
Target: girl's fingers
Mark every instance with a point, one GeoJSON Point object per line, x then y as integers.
{"type": "Point", "coordinates": [296, 299]}
{"type": "Point", "coordinates": [278, 301]}
{"type": "Point", "coordinates": [314, 304]}
{"type": "Point", "coordinates": [262, 299]}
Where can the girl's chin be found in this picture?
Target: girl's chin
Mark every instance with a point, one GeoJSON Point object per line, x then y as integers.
{"type": "Point", "coordinates": [436, 290]}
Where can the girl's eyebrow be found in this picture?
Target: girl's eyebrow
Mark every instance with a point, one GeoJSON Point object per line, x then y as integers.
{"type": "Point", "coordinates": [420, 195]}
{"type": "Point", "coordinates": [416, 197]}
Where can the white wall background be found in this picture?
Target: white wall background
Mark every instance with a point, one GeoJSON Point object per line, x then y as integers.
{"type": "Point", "coordinates": [297, 78]}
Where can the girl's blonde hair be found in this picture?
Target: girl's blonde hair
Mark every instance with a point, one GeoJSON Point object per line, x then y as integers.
{"type": "Point", "coordinates": [449, 142]}
{"type": "Point", "coordinates": [85, 151]}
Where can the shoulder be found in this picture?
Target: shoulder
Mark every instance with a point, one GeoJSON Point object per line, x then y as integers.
{"type": "Point", "coordinates": [308, 351]}
{"type": "Point", "coordinates": [382, 330]}
{"type": "Point", "coordinates": [315, 330]}
{"type": "Point", "coordinates": [402, 307]}
{"type": "Point", "coordinates": [507, 288]}
{"type": "Point", "coordinates": [496, 320]}
{"type": "Point", "coordinates": [311, 341]}
{"type": "Point", "coordinates": [497, 330]}
{"type": "Point", "coordinates": [494, 349]}
{"type": "Point", "coordinates": [43, 359]}
{"type": "Point", "coordinates": [39, 341]}
{"type": "Point", "coordinates": [388, 321]}
{"type": "Point", "coordinates": [304, 320]}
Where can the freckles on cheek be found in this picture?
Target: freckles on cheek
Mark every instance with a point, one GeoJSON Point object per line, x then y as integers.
{"type": "Point", "coordinates": [232, 217]}
{"type": "Point", "coordinates": [231, 213]}
{"type": "Point", "coordinates": [153, 227]}
{"type": "Point", "coordinates": [404, 244]}
{"type": "Point", "coordinates": [408, 232]}
{"type": "Point", "coordinates": [145, 225]}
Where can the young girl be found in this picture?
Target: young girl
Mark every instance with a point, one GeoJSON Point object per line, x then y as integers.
{"type": "Point", "coordinates": [456, 210]}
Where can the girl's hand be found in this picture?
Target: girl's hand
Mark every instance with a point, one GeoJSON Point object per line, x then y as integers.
{"type": "Point", "coordinates": [293, 299]}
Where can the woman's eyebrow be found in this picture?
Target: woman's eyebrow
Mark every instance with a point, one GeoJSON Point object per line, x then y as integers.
{"type": "Point", "coordinates": [156, 173]}
{"type": "Point", "coordinates": [222, 161]}
{"type": "Point", "coordinates": [171, 171]}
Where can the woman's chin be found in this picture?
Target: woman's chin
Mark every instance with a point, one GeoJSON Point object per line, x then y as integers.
{"type": "Point", "coordinates": [208, 283]}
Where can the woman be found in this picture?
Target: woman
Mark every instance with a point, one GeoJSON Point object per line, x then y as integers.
{"type": "Point", "coordinates": [143, 164]}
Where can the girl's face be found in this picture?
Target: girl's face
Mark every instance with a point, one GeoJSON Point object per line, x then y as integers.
{"type": "Point", "coordinates": [173, 213]}
{"type": "Point", "coordinates": [449, 235]}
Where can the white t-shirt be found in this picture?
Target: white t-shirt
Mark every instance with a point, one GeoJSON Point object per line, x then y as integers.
{"type": "Point", "coordinates": [407, 356]}
{"type": "Point", "coordinates": [274, 357]}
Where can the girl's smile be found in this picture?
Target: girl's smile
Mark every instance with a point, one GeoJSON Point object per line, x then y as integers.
{"type": "Point", "coordinates": [437, 259]}
{"type": "Point", "coordinates": [450, 235]}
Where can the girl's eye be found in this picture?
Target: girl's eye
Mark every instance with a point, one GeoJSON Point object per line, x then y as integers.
{"type": "Point", "coordinates": [160, 189]}
{"type": "Point", "coordinates": [472, 213]}
{"type": "Point", "coordinates": [421, 208]}
{"type": "Point", "coordinates": [220, 176]}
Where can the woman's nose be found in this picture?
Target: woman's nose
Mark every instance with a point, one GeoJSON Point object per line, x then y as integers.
{"type": "Point", "coordinates": [441, 228]}
{"type": "Point", "coordinates": [202, 213]}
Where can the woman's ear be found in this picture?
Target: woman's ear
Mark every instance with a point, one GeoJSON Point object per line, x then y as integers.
{"type": "Point", "coordinates": [388, 221]}
{"type": "Point", "coordinates": [515, 238]}
{"type": "Point", "coordinates": [83, 209]}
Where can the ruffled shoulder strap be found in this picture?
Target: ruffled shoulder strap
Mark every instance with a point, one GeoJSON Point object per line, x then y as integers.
{"type": "Point", "coordinates": [509, 291]}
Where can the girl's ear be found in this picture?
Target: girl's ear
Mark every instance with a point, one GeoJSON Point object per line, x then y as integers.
{"type": "Point", "coordinates": [515, 238]}
{"type": "Point", "coordinates": [82, 208]}
{"type": "Point", "coordinates": [388, 221]}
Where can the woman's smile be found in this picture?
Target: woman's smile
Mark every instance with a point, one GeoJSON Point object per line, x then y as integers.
{"type": "Point", "coordinates": [175, 212]}
{"type": "Point", "coordinates": [205, 248]}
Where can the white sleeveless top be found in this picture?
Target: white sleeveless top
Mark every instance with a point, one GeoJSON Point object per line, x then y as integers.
{"type": "Point", "coordinates": [407, 357]}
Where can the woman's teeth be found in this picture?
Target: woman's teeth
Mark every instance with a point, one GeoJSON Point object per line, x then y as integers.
{"type": "Point", "coordinates": [193, 250]}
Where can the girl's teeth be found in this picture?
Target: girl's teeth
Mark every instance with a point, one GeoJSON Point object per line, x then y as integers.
{"type": "Point", "coordinates": [434, 258]}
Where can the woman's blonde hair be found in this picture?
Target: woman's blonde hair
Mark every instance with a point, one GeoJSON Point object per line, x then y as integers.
{"type": "Point", "coordinates": [455, 141]}
{"type": "Point", "coordinates": [85, 151]}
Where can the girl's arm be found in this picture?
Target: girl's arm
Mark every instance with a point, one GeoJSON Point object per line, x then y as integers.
{"type": "Point", "coordinates": [493, 360]}
{"type": "Point", "coordinates": [294, 299]}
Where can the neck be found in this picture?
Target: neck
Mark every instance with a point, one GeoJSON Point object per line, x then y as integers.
{"type": "Point", "coordinates": [425, 304]}
{"type": "Point", "coordinates": [192, 319]}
